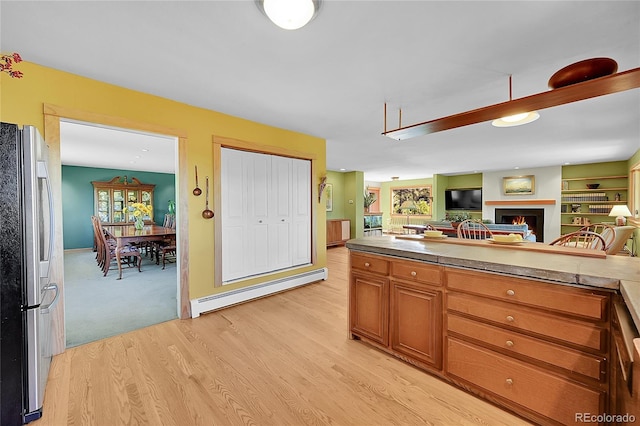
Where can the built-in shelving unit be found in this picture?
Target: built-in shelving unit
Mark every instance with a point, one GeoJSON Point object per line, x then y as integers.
{"type": "Point", "coordinates": [581, 205]}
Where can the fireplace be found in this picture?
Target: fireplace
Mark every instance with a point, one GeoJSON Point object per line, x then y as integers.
{"type": "Point", "coordinates": [534, 218]}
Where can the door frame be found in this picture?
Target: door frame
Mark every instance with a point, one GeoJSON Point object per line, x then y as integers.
{"type": "Point", "coordinates": [220, 142]}
{"type": "Point", "coordinates": [52, 116]}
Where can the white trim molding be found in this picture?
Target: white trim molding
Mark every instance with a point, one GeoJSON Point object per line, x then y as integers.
{"type": "Point", "coordinates": [245, 294]}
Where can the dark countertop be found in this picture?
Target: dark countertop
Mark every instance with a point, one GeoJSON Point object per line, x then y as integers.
{"type": "Point", "coordinates": [613, 272]}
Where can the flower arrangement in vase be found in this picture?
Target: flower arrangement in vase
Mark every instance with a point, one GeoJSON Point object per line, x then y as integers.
{"type": "Point", "coordinates": [139, 211]}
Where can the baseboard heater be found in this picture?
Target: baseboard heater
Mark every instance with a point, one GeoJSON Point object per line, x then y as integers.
{"type": "Point", "coordinates": [222, 300]}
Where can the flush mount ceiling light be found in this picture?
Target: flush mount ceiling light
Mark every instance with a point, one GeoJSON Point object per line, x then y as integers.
{"type": "Point", "coordinates": [289, 14]}
{"type": "Point", "coordinates": [587, 88]}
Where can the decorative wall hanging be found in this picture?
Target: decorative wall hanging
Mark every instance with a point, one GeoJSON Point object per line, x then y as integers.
{"type": "Point", "coordinates": [207, 213]}
{"type": "Point", "coordinates": [411, 201]}
{"type": "Point", "coordinates": [518, 185]}
{"type": "Point", "coordinates": [197, 191]}
{"type": "Point", "coordinates": [329, 191]}
{"type": "Point", "coordinates": [6, 64]}
{"type": "Point", "coordinates": [321, 186]}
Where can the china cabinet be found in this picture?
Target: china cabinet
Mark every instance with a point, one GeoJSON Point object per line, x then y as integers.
{"type": "Point", "coordinates": [111, 199]}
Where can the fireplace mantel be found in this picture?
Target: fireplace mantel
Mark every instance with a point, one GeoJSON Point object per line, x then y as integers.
{"type": "Point", "coordinates": [519, 202]}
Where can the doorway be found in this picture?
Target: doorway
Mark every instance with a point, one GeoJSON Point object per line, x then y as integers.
{"type": "Point", "coordinates": [100, 306]}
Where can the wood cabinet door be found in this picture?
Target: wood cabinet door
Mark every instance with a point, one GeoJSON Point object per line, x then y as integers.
{"type": "Point", "coordinates": [369, 307]}
{"type": "Point", "coordinates": [333, 232]}
{"type": "Point", "coordinates": [416, 322]}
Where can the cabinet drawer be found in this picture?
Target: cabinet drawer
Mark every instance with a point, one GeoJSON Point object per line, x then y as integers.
{"type": "Point", "coordinates": [372, 264]}
{"type": "Point", "coordinates": [549, 395]}
{"type": "Point", "coordinates": [555, 297]}
{"type": "Point", "coordinates": [531, 320]}
{"type": "Point", "coordinates": [418, 272]}
{"type": "Point", "coordinates": [591, 366]}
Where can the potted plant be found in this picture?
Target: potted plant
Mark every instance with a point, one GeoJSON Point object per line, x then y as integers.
{"type": "Point", "coordinates": [456, 217]}
{"type": "Point", "coordinates": [369, 198]}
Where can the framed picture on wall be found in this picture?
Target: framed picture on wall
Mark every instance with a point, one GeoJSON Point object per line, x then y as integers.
{"type": "Point", "coordinates": [414, 200]}
{"type": "Point", "coordinates": [328, 190]}
{"type": "Point", "coordinates": [518, 185]}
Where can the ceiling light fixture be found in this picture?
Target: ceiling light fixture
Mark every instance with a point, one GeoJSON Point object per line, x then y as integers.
{"type": "Point", "coordinates": [515, 119]}
{"type": "Point", "coordinates": [574, 92]}
{"type": "Point", "coordinates": [289, 14]}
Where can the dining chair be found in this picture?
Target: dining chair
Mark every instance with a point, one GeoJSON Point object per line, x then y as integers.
{"type": "Point", "coordinates": [108, 250]}
{"type": "Point", "coordinates": [101, 249]}
{"type": "Point", "coordinates": [166, 249]}
{"type": "Point", "coordinates": [156, 246]}
{"type": "Point", "coordinates": [607, 232]}
{"type": "Point", "coordinates": [623, 233]}
{"type": "Point", "coordinates": [472, 230]}
{"type": "Point", "coordinates": [581, 239]}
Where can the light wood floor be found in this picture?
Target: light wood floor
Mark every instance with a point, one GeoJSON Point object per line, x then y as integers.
{"type": "Point", "coordinates": [281, 360]}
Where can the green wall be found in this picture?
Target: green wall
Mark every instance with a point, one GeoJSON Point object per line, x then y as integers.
{"type": "Point", "coordinates": [77, 199]}
{"type": "Point", "coordinates": [385, 196]}
{"type": "Point", "coordinates": [348, 199]}
{"type": "Point", "coordinates": [473, 180]}
{"type": "Point", "coordinates": [633, 161]}
{"type": "Point", "coordinates": [336, 179]}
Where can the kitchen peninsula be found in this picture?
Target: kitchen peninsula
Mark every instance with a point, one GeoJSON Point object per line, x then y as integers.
{"type": "Point", "coordinates": [530, 331]}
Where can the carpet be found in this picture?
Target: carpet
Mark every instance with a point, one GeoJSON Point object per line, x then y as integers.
{"type": "Point", "coordinates": [97, 307]}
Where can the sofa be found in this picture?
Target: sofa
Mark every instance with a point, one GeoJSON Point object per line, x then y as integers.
{"type": "Point", "coordinates": [496, 228]}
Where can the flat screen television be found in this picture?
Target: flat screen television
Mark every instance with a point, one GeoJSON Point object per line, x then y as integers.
{"type": "Point", "coordinates": [463, 199]}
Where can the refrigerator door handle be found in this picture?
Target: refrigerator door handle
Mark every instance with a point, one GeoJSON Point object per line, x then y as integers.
{"type": "Point", "coordinates": [43, 173]}
{"type": "Point", "coordinates": [45, 309]}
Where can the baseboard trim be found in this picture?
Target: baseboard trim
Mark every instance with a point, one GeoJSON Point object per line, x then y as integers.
{"type": "Point", "coordinates": [223, 300]}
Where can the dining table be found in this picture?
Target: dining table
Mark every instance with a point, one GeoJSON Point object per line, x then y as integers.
{"type": "Point", "coordinates": [126, 234]}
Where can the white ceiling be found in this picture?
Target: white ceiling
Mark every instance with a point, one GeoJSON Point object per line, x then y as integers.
{"type": "Point", "coordinates": [331, 78]}
{"type": "Point", "coordinates": [91, 145]}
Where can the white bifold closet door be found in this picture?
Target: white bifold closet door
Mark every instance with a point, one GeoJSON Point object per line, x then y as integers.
{"type": "Point", "coordinates": [266, 213]}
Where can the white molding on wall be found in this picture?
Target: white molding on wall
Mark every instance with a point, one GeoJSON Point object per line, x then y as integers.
{"type": "Point", "coordinates": [245, 294]}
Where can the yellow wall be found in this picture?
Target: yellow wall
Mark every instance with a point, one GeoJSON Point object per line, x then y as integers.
{"type": "Point", "coordinates": [21, 102]}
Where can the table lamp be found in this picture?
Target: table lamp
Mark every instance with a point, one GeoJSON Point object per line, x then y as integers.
{"type": "Point", "coordinates": [621, 212]}
{"type": "Point", "coordinates": [408, 206]}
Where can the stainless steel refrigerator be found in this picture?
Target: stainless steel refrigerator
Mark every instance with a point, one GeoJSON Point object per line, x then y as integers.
{"type": "Point", "coordinates": [27, 297]}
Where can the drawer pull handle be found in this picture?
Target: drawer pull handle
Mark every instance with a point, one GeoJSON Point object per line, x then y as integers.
{"type": "Point", "coordinates": [509, 381]}
{"type": "Point", "coordinates": [510, 318]}
{"type": "Point", "coordinates": [511, 293]}
{"type": "Point", "coordinates": [367, 264]}
{"type": "Point", "coordinates": [414, 273]}
{"type": "Point", "coordinates": [509, 343]}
